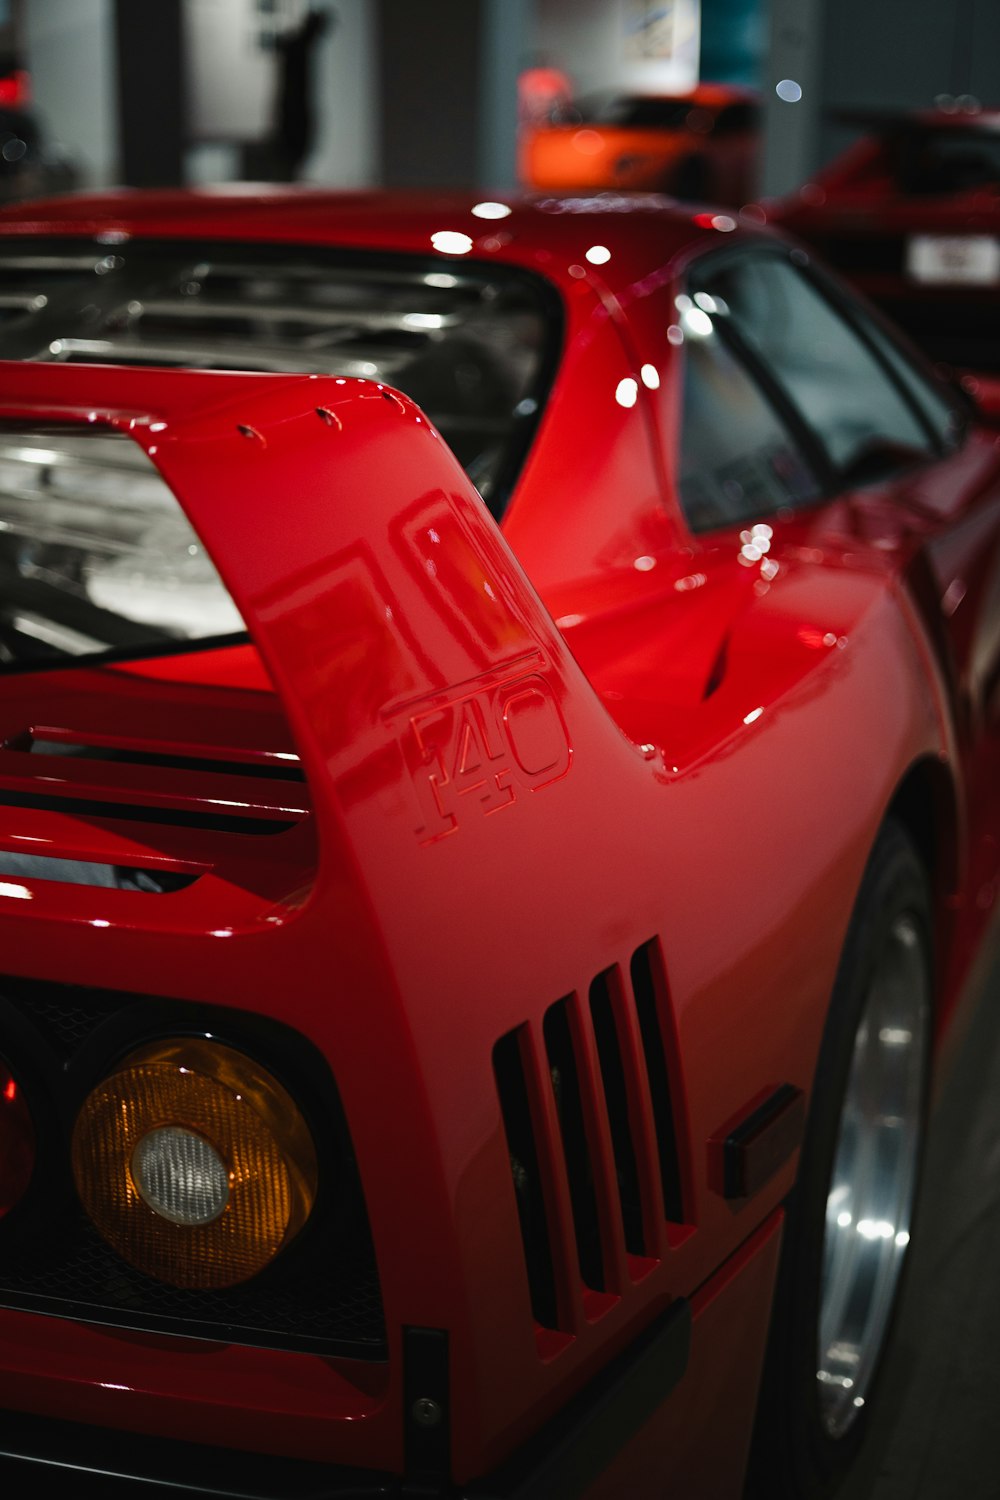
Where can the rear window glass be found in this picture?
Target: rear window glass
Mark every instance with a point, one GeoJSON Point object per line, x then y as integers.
{"type": "Point", "coordinates": [475, 346]}
{"type": "Point", "coordinates": [953, 160]}
{"type": "Point", "coordinates": [96, 555]}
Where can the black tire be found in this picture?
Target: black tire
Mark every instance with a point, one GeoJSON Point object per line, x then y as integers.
{"type": "Point", "coordinates": [810, 1424]}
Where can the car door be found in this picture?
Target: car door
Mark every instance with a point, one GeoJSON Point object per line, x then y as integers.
{"type": "Point", "coordinates": [898, 473]}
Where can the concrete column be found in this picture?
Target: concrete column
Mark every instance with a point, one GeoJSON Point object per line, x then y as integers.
{"type": "Point", "coordinates": [793, 64]}
{"type": "Point", "coordinates": [69, 46]}
{"type": "Point", "coordinates": [506, 41]}
{"type": "Point", "coordinates": [151, 113]}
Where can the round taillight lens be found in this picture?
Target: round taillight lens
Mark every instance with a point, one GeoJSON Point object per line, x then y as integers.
{"type": "Point", "coordinates": [17, 1141]}
{"type": "Point", "coordinates": [194, 1163]}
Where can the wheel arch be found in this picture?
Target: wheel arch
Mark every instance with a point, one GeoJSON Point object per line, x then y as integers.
{"type": "Point", "coordinates": [925, 804]}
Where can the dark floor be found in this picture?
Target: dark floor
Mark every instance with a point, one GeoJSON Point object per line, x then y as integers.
{"type": "Point", "coordinates": [938, 1436]}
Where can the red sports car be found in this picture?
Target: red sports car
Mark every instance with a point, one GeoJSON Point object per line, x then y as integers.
{"type": "Point", "coordinates": [911, 213]}
{"type": "Point", "coordinates": [470, 853]}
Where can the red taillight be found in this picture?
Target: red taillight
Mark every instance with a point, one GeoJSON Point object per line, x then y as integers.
{"type": "Point", "coordinates": [17, 1141]}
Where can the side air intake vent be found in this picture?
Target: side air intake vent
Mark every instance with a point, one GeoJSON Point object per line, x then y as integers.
{"type": "Point", "coordinates": [589, 1118]}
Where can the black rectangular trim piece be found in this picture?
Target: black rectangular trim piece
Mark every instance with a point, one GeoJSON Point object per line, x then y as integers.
{"type": "Point", "coordinates": [565, 1457]}
{"type": "Point", "coordinates": [426, 1405]}
{"type": "Point", "coordinates": [763, 1142]}
{"type": "Point", "coordinates": [651, 1033]}
{"type": "Point", "coordinates": [515, 1109]}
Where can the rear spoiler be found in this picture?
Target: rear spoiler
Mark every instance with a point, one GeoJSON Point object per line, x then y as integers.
{"type": "Point", "coordinates": [373, 581]}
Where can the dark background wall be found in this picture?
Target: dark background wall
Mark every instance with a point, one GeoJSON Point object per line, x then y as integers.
{"type": "Point", "coordinates": [429, 79]}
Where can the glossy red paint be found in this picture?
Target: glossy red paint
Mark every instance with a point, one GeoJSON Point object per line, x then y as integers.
{"type": "Point", "coordinates": [515, 780]}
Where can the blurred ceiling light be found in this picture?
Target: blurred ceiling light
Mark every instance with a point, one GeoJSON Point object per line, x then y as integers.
{"type": "Point", "coordinates": [788, 90]}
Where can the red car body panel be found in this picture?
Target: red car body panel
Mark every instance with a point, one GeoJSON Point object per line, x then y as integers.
{"type": "Point", "coordinates": [515, 780]}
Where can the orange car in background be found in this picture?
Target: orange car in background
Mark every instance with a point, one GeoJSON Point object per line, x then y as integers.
{"type": "Point", "coordinates": [701, 144]}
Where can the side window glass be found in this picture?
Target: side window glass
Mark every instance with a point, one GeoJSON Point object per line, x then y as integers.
{"type": "Point", "coordinates": [942, 416]}
{"type": "Point", "coordinates": [737, 459]}
{"type": "Point", "coordinates": [828, 375]}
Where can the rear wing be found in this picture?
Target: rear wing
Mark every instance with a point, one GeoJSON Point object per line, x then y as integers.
{"type": "Point", "coordinates": [414, 663]}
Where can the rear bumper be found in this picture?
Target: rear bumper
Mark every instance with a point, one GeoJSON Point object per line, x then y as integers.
{"type": "Point", "coordinates": [63, 1458]}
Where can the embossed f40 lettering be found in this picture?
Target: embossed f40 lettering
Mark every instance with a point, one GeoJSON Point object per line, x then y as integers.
{"type": "Point", "coordinates": [483, 748]}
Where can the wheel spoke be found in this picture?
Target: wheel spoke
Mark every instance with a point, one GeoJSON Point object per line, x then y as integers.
{"type": "Point", "coordinates": [873, 1180]}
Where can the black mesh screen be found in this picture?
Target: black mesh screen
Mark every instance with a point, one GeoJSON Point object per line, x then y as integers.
{"type": "Point", "coordinates": [321, 1295]}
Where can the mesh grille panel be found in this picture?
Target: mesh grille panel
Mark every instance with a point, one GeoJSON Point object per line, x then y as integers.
{"type": "Point", "coordinates": [322, 1295]}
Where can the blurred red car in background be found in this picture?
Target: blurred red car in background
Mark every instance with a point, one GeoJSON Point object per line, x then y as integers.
{"type": "Point", "coordinates": [702, 145]}
{"type": "Point", "coordinates": [911, 213]}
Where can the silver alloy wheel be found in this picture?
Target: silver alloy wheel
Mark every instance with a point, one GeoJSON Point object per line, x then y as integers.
{"type": "Point", "coordinates": [872, 1186]}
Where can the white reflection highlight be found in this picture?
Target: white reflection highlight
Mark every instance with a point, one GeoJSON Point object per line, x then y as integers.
{"type": "Point", "coordinates": [788, 90]}
{"type": "Point", "coordinates": [752, 716]}
{"type": "Point", "coordinates": [876, 1229]}
{"type": "Point", "coordinates": [627, 391]}
{"type": "Point", "coordinates": [697, 323]}
{"type": "Point", "coordinates": [441, 279]}
{"type": "Point", "coordinates": [650, 377]}
{"type": "Point", "coordinates": [450, 242]}
{"type": "Point", "coordinates": [844, 1220]}
{"type": "Point", "coordinates": [20, 891]}
{"type": "Point", "coordinates": [491, 210]}
{"type": "Point", "coordinates": [423, 320]}
{"type": "Point", "coordinates": [675, 334]}
{"type": "Point", "coordinates": [644, 564]}
{"type": "Point", "coordinates": [598, 255]}
{"type": "Point", "coordinates": [723, 223]}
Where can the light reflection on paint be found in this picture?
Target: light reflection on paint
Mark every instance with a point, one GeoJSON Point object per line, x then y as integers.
{"type": "Point", "coordinates": [450, 242]}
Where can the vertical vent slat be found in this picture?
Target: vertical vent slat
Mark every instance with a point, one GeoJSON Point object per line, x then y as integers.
{"type": "Point", "coordinates": [515, 1109]}
{"type": "Point", "coordinates": [569, 1108]}
{"type": "Point", "coordinates": [616, 1096]}
{"type": "Point", "coordinates": [648, 986]}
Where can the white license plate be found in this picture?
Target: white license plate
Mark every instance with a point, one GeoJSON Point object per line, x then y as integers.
{"type": "Point", "coordinates": [953, 259]}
